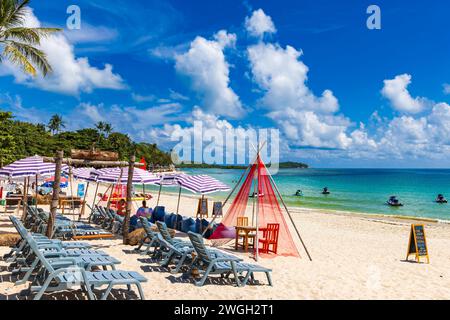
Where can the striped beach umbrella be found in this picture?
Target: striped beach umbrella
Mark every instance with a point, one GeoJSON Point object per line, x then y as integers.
{"type": "Point", "coordinates": [203, 184]}
{"type": "Point", "coordinates": [120, 176]}
{"type": "Point", "coordinates": [29, 167]}
{"type": "Point", "coordinates": [170, 179]}
{"type": "Point", "coordinates": [86, 174]}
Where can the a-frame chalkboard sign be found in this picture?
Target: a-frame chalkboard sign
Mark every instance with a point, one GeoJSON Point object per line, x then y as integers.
{"type": "Point", "coordinates": [202, 208]}
{"type": "Point", "coordinates": [417, 243]}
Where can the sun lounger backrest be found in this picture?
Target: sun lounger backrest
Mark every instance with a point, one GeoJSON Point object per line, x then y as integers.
{"type": "Point", "coordinates": [199, 246]}
{"type": "Point", "coordinates": [147, 227]}
{"type": "Point", "coordinates": [164, 231]}
{"type": "Point", "coordinates": [33, 245]}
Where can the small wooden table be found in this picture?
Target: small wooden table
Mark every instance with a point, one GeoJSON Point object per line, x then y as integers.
{"type": "Point", "coordinates": [246, 233]}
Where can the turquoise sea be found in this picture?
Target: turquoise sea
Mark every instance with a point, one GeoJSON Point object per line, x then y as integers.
{"type": "Point", "coordinates": [358, 190]}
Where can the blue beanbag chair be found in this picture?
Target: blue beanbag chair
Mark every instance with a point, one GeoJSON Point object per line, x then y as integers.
{"type": "Point", "coordinates": [173, 221]}
{"type": "Point", "coordinates": [186, 224]}
{"type": "Point", "coordinates": [178, 221]}
{"type": "Point", "coordinates": [198, 226]}
{"type": "Point", "coordinates": [158, 214]}
{"type": "Point", "coordinates": [168, 218]}
{"type": "Point", "coordinates": [205, 224]}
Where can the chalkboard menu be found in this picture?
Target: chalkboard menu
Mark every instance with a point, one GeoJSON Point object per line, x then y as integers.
{"type": "Point", "coordinates": [417, 243]}
{"type": "Point", "coordinates": [202, 209]}
{"type": "Point", "coordinates": [217, 209]}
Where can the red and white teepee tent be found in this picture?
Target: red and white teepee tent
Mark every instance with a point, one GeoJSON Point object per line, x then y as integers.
{"type": "Point", "coordinates": [267, 209]}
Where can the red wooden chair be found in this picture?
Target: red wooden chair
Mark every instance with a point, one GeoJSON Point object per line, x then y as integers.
{"type": "Point", "coordinates": [270, 238]}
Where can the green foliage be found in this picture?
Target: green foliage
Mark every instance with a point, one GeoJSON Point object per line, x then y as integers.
{"type": "Point", "coordinates": [7, 143]}
{"type": "Point", "coordinates": [20, 44]}
{"type": "Point", "coordinates": [21, 139]}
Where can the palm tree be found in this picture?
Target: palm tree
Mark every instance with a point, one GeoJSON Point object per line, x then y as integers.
{"type": "Point", "coordinates": [107, 129]}
{"type": "Point", "coordinates": [19, 43]}
{"type": "Point", "coordinates": [56, 123]}
{"type": "Point", "coordinates": [100, 126]}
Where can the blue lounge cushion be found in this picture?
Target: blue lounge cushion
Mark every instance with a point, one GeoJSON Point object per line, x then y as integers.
{"type": "Point", "coordinates": [178, 221]}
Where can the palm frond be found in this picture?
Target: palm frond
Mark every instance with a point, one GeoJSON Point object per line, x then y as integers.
{"type": "Point", "coordinates": [17, 11]}
{"type": "Point", "coordinates": [35, 56]}
{"type": "Point", "coordinates": [17, 57]}
{"type": "Point", "coordinates": [28, 35]}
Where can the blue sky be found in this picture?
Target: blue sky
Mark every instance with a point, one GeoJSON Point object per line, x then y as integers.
{"type": "Point", "coordinates": [340, 94]}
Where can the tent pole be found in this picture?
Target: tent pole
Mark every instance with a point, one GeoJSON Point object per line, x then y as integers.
{"type": "Point", "coordinates": [179, 196]}
{"type": "Point", "coordinates": [289, 214]}
{"type": "Point", "coordinates": [256, 244]}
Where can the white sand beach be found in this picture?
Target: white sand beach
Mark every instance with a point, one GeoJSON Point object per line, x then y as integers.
{"type": "Point", "coordinates": [354, 257]}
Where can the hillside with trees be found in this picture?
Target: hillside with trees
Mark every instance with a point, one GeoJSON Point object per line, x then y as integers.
{"type": "Point", "coordinates": [22, 139]}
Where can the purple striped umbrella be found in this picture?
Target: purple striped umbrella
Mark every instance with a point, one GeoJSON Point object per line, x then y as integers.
{"type": "Point", "coordinates": [170, 179]}
{"type": "Point", "coordinates": [32, 166]}
{"type": "Point", "coordinates": [85, 174]}
{"type": "Point", "coordinates": [120, 176]}
{"type": "Point", "coordinates": [203, 184]}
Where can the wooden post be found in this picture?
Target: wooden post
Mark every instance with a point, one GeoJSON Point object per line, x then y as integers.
{"type": "Point", "coordinates": [55, 197]}
{"type": "Point", "coordinates": [126, 224]}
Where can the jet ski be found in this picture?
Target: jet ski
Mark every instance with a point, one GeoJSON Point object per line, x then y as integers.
{"type": "Point", "coordinates": [394, 202]}
{"type": "Point", "coordinates": [441, 199]}
{"type": "Point", "coordinates": [255, 195]}
{"type": "Point", "coordinates": [326, 191]}
{"type": "Point", "coordinates": [299, 193]}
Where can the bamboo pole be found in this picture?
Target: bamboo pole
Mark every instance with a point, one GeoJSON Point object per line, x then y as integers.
{"type": "Point", "coordinates": [289, 214]}
{"type": "Point", "coordinates": [126, 224]}
{"type": "Point", "coordinates": [256, 244]}
{"type": "Point", "coordinates": [55, 196]}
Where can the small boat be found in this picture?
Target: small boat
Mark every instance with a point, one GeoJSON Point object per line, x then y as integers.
{"type": "Point", "coordinates": [299, 193]}
{"type": "Point", "coordinates": [326, 191]}
{"type": "Point", "coordinates": [394, 202]}
{"type": "Point", "coordinates": [441, 199]}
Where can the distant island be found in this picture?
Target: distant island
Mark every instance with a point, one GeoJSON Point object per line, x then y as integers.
{"type": "Point", "coordinates": [282, 165]}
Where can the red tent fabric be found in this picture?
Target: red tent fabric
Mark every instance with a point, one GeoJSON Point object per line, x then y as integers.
{"type": "Point", "coordinates": [269, 210]}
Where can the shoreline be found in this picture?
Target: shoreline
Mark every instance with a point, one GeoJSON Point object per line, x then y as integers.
{"type": "Point", "coordinates": [299, 209]}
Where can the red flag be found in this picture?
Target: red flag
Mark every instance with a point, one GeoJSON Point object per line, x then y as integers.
{"type": "Point", "coordinates": [144, 164]}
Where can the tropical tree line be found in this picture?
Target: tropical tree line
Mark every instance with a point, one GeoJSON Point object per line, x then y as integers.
{"type": "Point", "coordinates": [20, 139]}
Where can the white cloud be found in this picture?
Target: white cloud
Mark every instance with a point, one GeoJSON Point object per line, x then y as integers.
{"type": "Point", "coordinates": [205, 65]}
{"type": "Point", "coordinates": [446, 88]}
{"type": "Point", "coordinates": [307, 120]}
{"type": "Point", "coordinates": [71, 75]}
{"type": "Point", "coordinates": [259, 24]}
{"type": "Point", "coordinates": [283, 76]}
{"type": "Point", "coordinates": [143, 98]}
{"type": "Point", "coordinates": [396, 91]}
